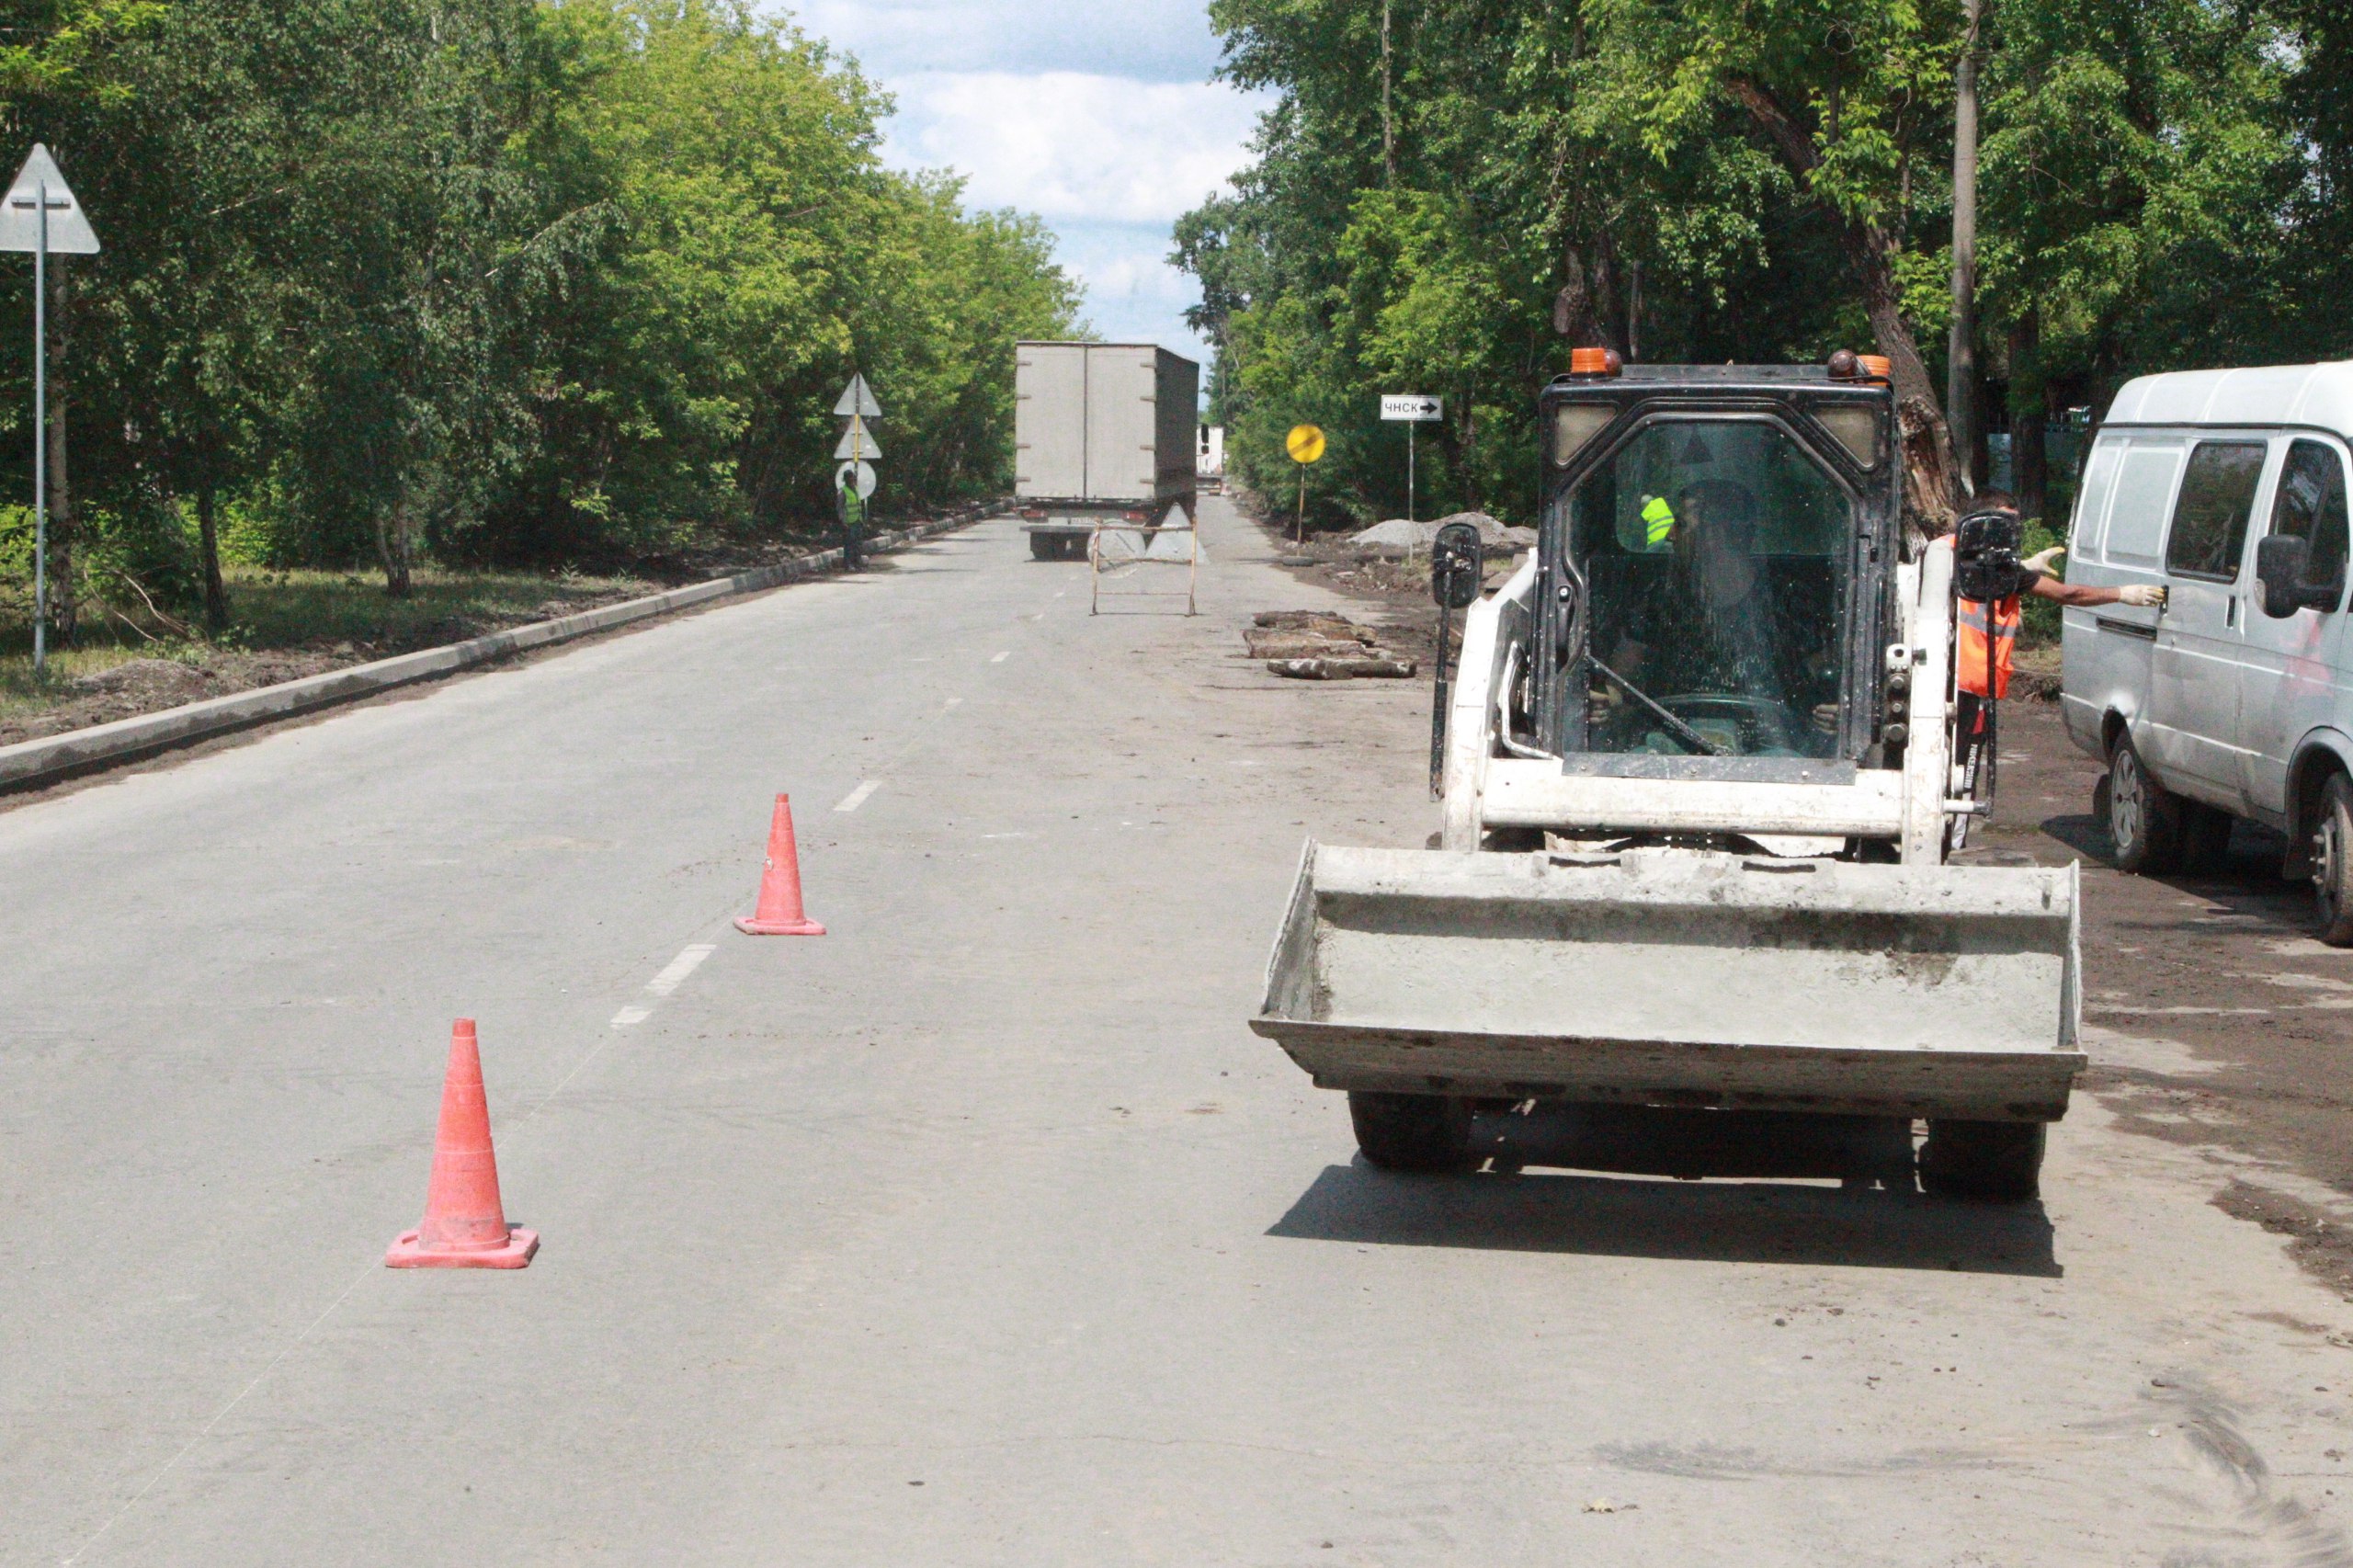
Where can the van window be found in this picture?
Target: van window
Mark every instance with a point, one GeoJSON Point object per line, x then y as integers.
{"type": "Point", "coordinates": [2210, 519]}
{"type": "Point", "coordinates": [2143, 490]}
{"type": "Point", "coordinates": [2091, 502]}
{"type": "Point", "coordinates": [2311, 507]}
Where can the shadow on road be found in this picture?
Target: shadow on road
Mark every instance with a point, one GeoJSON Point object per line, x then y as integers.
{"type": "Point", "coordinates": [1875, 1221]}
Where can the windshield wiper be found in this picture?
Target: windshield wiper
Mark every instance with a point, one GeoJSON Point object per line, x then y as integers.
{"type": "Point", "coordinates": [1675, 726]}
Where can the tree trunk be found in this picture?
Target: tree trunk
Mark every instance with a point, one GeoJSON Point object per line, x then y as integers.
{"type": "Point", "coordinates": [2030, 416]}
{"type": "Point", "coordinates": [207, 539]}
{"type": "Point", "coordinates": [1572, 315]}
{"type": "Point", "coordinates": [1387, 115]}
{"type": "Point", "coordinates": [1960, 376]}
{"type": "Point", "coordinates": [1928, 441]}
{"type": "Point", "coordinates": [65, 614]}
{"type": "Point", "coordinates": [392, 547]}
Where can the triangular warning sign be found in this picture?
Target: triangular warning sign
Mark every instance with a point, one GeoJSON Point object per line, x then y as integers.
{"type": "Point", "coordinates": [858, 444]}
{"type": "Point", "coordinates": [20, 212]}
{"type": "Point", "coordinates": [857, 401]}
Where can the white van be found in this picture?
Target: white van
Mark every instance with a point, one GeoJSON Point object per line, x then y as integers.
{"type": "Point", "coordinates": [2228, 487]}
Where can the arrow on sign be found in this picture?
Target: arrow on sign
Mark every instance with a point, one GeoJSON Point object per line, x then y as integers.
{"type": "Point", "coordinates": [858, 444]}
{"type": "Point", "coordinates": [1412, 408]}
{"type": "Point", "coordinates": [69, 229]}
{"type": "Point", "coordinates": [857, 401]}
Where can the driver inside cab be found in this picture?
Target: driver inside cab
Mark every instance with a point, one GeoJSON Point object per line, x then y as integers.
{"type": "Point", "coordinates": [1712, 622]}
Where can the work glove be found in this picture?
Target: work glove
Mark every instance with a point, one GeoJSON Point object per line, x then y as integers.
{"type": "Point", "coordinates": [2043, 561]}
{"type": "Point", "coordinates": [2144, 596]}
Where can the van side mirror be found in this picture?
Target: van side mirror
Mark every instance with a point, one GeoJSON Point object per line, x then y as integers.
{"type": "Point", "coordinates": [2280, 563]}
{"type": "Point", "coordinates": [1457, 567]}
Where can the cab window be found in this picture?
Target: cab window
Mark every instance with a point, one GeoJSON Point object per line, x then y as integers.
{"type": "Point", "coordinates": [2211, 517]}
{"type": "Point", "coordinates": [2311, 507]}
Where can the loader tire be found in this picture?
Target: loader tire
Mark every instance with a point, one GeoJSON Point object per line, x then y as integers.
{"type": "Point", "coordinates": [1412, 1132]}
{"type": "Point", "coordinates": [1983, 1161]}
{"type": "Point", "coordinates": [2333, 864]}
{"type": "Point", "coordinates": [2143, 816]}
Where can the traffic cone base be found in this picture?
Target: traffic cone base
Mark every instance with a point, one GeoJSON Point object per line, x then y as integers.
{"type": "Point", "coordinates": [780, 912]}
{"type": "Point", "coordinates": [753, 926]}
{"type": "Point", "coordinates": [407, 1253]}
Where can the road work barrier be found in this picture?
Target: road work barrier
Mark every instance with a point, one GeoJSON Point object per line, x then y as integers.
{"type": "Point", "coordinates": [465, 1224]}
{"type": "Point", "coordinates": [29, 764]}
{"type": "Point", "coordinates": [1116, 550]}
{"type": "Point", "coordinates": [780, 911]}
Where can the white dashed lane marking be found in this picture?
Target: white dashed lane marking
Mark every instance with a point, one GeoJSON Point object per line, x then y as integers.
{"type": "Point", "coordinates": [674, 974]}
{"type": "Point", "coordinates": [685, 964]}
{"type": "Point", "coordinates": [1002, 657]}
{"type": "Point", "coordinates": [856, 797]}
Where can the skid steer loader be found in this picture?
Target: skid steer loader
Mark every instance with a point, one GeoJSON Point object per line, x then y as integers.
{"type": "Point", "coordinates": [1703, 765]}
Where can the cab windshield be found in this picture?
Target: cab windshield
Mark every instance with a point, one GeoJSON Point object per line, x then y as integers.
{"type": "Point", "coordinates": [1715, 554]}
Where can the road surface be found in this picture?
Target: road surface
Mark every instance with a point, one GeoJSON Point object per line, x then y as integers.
{"type": "Point", "coordinates": [981, 1230]}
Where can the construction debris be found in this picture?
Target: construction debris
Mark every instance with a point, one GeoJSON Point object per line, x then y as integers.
{"type": "Point", "coordinates": [1311, 644]}
{"type": "Point", "coordinates": [1380, 668]}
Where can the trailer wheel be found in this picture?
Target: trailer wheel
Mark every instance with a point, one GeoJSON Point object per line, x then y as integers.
{"type": "Point", "coordinates": [1044, 546]}
{"type": "Point", "coordinates": [2333, 864]}
{"type": "Point", "coordinates": [1983, 1161]}
{"type": "Point", "coordinates": [1412, 1132]}
{"type": "Point", "coordinates": [2143, 816]}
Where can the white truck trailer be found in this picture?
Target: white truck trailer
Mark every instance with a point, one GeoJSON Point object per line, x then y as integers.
{"type": "Point", "coordinates": [1101, 432]}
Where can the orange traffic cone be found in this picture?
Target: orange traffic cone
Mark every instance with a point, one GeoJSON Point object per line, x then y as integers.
{"type": "Point", "coordinates": [779, 914]}
{"type": "Point", "coordinates": [465, 1226]}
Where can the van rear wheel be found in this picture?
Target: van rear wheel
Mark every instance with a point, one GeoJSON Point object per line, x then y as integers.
{"type": "Point", "coordinates": [1983, 1161]}
{"type": "Point", "coordinates": [2333, 864]}
{"type": "Point", "coordinates": [1412, 1132]}
{"type": "Point", "coordinates": [2143, 816]}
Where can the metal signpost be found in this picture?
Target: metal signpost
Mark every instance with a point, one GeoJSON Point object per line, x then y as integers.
{"type": "Point", "coordinates": [854, 479]}
{"type": "Point", "coordinates": [1305, 445]}
{"type": "Point", "coordinates": [1413, 410]}
{"type": "Point", "coordinates": [40, 215]}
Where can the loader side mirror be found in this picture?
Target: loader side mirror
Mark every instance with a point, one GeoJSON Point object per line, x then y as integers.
{"type": "Point", "coordinates": [1457, 566]}
{"type": "Point", "coordinates": [2280, 562]}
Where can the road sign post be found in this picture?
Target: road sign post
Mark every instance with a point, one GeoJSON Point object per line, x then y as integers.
{"type": "Point", "coordinates": [1305, 445]}
{"type": "Point", "coordinates": [1414, 411]}
{"type": "Point", "coordinates": [854, 478]}
{"type": "Point", "coordinates": [40, 215]}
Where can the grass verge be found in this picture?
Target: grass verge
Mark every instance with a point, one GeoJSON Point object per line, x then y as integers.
{"type": "Point", "coordinates": [135, 658]}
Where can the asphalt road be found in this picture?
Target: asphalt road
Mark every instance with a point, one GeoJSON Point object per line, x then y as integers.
{"type": "Point", "coordinates": [981, 1230]}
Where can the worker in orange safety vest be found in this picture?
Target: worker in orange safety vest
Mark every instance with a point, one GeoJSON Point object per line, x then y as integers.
{"type": "Point", "coordinates": [1972, 627]}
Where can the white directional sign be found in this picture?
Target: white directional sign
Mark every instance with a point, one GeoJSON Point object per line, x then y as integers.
{"type": "Point", "coordinates": [861, 475]}
{"type": "Point", "coordinates": [1413, 408]}
{"type": "Point", "coordinates": [857, 401]}
{"type": "Point", "coordinates": [69, 229]}
{"type": "Point", "coordinates": [858, 444]}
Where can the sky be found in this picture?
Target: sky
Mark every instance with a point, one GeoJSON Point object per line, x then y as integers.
{"type": "Point", "coordinates": [1098, 117]}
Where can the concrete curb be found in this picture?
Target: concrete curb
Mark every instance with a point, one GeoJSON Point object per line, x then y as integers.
{"type": "Point", "coordinates": [52, 758]}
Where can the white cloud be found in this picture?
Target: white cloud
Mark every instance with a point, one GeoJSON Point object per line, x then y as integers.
{"type": "Point", "coordinates": [1099, 117]}
{"type": "Point", "coordinates": [1072, 146]}
{"type": "Point", "coordinates": [1148, 40]}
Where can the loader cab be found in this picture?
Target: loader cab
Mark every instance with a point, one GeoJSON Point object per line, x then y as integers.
{"type": "Point", "coordinates": [1715, 563]}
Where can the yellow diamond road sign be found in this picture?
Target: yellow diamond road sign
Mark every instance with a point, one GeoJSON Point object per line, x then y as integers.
{"type": "Point", "coordinates": [1305, 444]}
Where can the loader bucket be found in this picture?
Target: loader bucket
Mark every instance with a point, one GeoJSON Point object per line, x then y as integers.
{"type": "Point", "coordinates": [1675, 978]}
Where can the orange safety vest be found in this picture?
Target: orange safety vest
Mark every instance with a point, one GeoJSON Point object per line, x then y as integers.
{"type": "Point", "coordinates": [1969, 647]}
